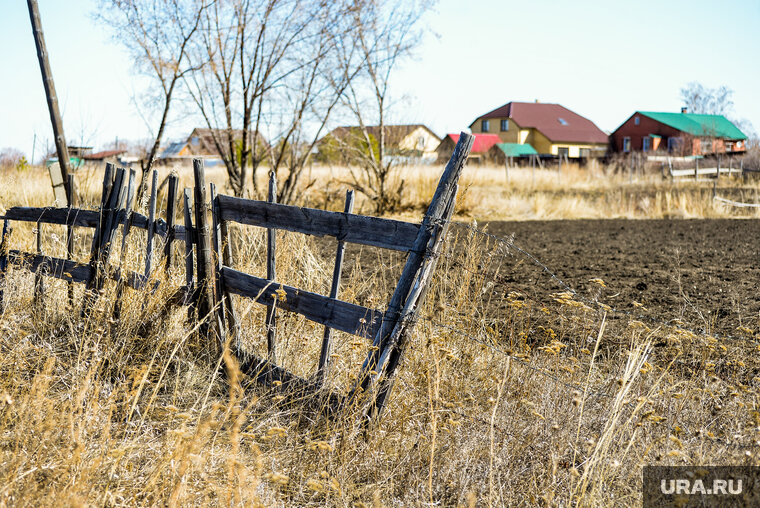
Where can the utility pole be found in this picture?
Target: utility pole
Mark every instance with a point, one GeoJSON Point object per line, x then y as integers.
{"type": "Point", "coordinates": [52, 100]}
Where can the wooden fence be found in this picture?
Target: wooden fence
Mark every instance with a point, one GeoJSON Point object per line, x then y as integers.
{"type": "Point", "coordinates": [211, 278]}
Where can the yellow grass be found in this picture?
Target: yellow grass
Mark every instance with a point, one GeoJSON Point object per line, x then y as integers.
{"type": "Point", "coordinates": [500, 400]}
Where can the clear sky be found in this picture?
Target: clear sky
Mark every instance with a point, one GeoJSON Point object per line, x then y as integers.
{"type": "Point", "coordinates": [602, 59]}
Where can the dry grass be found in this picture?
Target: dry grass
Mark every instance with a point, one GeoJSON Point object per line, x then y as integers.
{"type": "Point", "coordinates": [500, 400]}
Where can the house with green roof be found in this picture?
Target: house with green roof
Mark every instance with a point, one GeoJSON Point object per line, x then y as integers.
{"type": "Point", "coordinates": [683, 134]}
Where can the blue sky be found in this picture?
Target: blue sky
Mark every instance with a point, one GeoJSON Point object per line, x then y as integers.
{"type": "Point", "coordinates": [602, 59]}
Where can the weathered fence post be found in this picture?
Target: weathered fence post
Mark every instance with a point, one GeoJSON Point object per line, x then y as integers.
{"type": "Point", "coordinates": [696, 169]}
{"type": "Point", "coordinates": [189, 241]}
{"type": "Point", "coordinates": [399, 317]}
{"type": "Point", "coordinates": [324, 354]}
{"type": "Point", "coordinates": [219, 300]}
{"type": "Point", "coordinates": [127, 225]}
{"type": "Point", "coordinates": [271, 319]}
{"type": "Point", "coordinates": [3, 261]}
{"type": "Point", "coordinates": [151, 224]}
{"type": "Point", "coordinates": [39, 287]}
{"type": "Point", "coordinates": [171, 212]}
{"type": "Point", "coordinates": [205, 264]}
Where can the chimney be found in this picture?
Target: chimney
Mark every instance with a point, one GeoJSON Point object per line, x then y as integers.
{"type": "Point", "coordinates": [537, 101]}
{"type": "Point", "coordinates": [684, 109]}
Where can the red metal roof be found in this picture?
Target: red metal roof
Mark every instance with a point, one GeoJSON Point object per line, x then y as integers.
{"type": "Point", "coordinates": [482, 143]}
{"type": "Point", "coordinates": [553, 121]}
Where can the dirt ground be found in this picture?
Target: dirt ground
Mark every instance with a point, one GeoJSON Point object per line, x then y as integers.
{"type": "Point", "coordinates": [705, 272]}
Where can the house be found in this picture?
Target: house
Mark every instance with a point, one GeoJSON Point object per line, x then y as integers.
{"type": "Point", "coordinates": [480, 147]}
{"type": "Point", "coordinates": [201, 143]}
{"type": "Point", "coordinates": [681, 134]}
{"type": "Point", "coordinates": [112, 156]}
{"type": "Point", "coordinates": [408, 144]}
{"type": "Point", "coordinates": [551, 129]}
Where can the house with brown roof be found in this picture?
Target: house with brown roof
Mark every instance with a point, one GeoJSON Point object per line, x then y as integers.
{"type": "Point", "coordinates": [551, 129]}
{"type": "Point", "coordinates": [202, 142]}
{"type": "Point", "coordinates": [412, 143]}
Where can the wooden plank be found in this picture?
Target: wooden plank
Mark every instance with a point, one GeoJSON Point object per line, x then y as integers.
{"type": "Point", "coordinates": [39, 287]}
{"type": "Point", "coordinates": [219, 299]}
{"type": "Point", "coordinates": [205, 267]}
{"type": "Point", "coordinates": [359, 229]}
{"type": "Point", "coordinates": [151, 220]}
{"type": "Point", "coordinates": [189, 274]}
{"type": "Point", "coordinates": [326, 350]}
{"type": "Point", "coordinates": [171, 211]}
{"type": "Point", "coordinates": [78, 217]}
{"type": "Point", "coordinates": [436, 211]}
{"type": "Point", "coordinates": [70, 239]}
{"type": "Point", "coordinates": [124, 234]}
{"type": "Point", "coordinates": [54, 267]}
{"type": "Point", "coordinates": [68, 270]}
{"type": "Point", "coordinates": [271, 317]}
{"type": "Point", "coordinates": [4, 260]}
{"type": "Point", "coordinates": [337, 314]}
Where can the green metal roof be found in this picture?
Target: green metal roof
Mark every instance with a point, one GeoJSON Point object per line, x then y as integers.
{"type": "Point", "coordinates": [516, 149]}
{"type": "Point", "coordinates": [698, 125]}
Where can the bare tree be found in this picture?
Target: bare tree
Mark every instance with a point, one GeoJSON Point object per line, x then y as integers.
{"type": "Point", "coordinates": [386, 32]}
{"type": "Point", "coordinates": [268, 65]}
{"type": "Point", "coordinates": [709, 101]}
{"type": "Point", "coordinates": [157, 34]}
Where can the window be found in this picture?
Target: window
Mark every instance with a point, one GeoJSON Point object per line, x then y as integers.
{"type": "Point", "coordinates": [420, 142]}
{"type": "Point", "coordinates": [626, 144]}
{"type": "Point", "coordinates": [674, 144]}
{"type": "Point", "coordinates": [729, 146]}
{"type": "Point", "coordinates": [194, 140]}
{"type": "Point", "coordinates": [504, 125]}
{"type": "Point", "coordinates": [636, 120]}
{"type": "Point", "coordinates": [706, 145]}
{"type": "Point", "coordinates": [562, 121]}
{"type": "Point", "coordinates": [484, 126]}
{"type": "Point", "coordinates": [563, 152]}
{"type": "Point", "coordinates": [584, 153]}
{"type": "Point", "coordinates": [646, 144]}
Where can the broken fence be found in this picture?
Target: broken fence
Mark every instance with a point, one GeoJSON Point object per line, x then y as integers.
{"type": "Point", "coordinates": [211, 279]}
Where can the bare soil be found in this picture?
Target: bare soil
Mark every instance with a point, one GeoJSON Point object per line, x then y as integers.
{"type": "Point", "coordinates": [703, 271]}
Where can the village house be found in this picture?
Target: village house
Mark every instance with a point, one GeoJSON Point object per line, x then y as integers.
{"type": "Point", "coordinates": [408, 144]}
{"type": "Point", "coordinates": [550, 129]}
{"type": "Point", "coordinates": [681, 134]}
{"type": "Point", "coordinates": [480, 147]}
{"type": "Point", "coordinates": [200, 143]}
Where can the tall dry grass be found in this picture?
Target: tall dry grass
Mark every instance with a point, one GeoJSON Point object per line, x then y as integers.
{"type": "Point", "coordinates": [500, 400]}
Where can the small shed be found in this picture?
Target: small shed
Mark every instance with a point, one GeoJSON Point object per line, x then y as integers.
{"type": "Point", "coordinates": [500, 153]}
{"type": "Point", "coordinates": [479, 152]}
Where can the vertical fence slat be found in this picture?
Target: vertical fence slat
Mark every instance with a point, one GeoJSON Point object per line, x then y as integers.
{"type": "Point", "coordinates": [325, 352]}
{"type": "Point", "coordinates": [205, 265]}
{"type": "Point", "coordinates": [219, 299]}
{"type": "Point", "coordinates": [123, 250]}
{"type": "Point", "coordinates": [4, 261]}
{"type": "Point", "coordinates": [271, 319]}
{"type": "Point", "coordinates": [70, 241]}
{"type": "Point", "coordinates": [189, 240]}
{"type": "Point", "coordinates": [171, 211]}
{"type": "Point", "coordinates": [151, 223]}
{"type": "Point", "coordinates": [38, 284]}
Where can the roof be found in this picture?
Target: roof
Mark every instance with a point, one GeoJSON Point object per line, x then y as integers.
{"type": "Point", "coordinates": [205, 143]}
{"type": "Point", "coordinates": [482, 142]}
{"type": "Point", "coordinates": [172, 150]}
{"type": "Point", "coordinates": [554, 121]}
{"type": "Point", "coordinates": [717, 126]}
{"type": "Point", "coordinates": [516, 149]}
{"type": "Point", "coordinates": [103, 155]}
{"type": "Point", "coordinates": [394, 134]}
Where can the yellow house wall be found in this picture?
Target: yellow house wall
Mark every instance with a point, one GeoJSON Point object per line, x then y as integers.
{"type": "Point", "coordinates": [574, 150]}
{"type": "Point", "coordinates": [429, 146]}
{"type": "Point", "coordinates": [494, 127]}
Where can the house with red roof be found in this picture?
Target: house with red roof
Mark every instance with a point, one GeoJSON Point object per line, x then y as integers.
{"type": "Point", "coordinates": [551, 129]}
{"type": "Point", "coordinates": [480, 147]}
